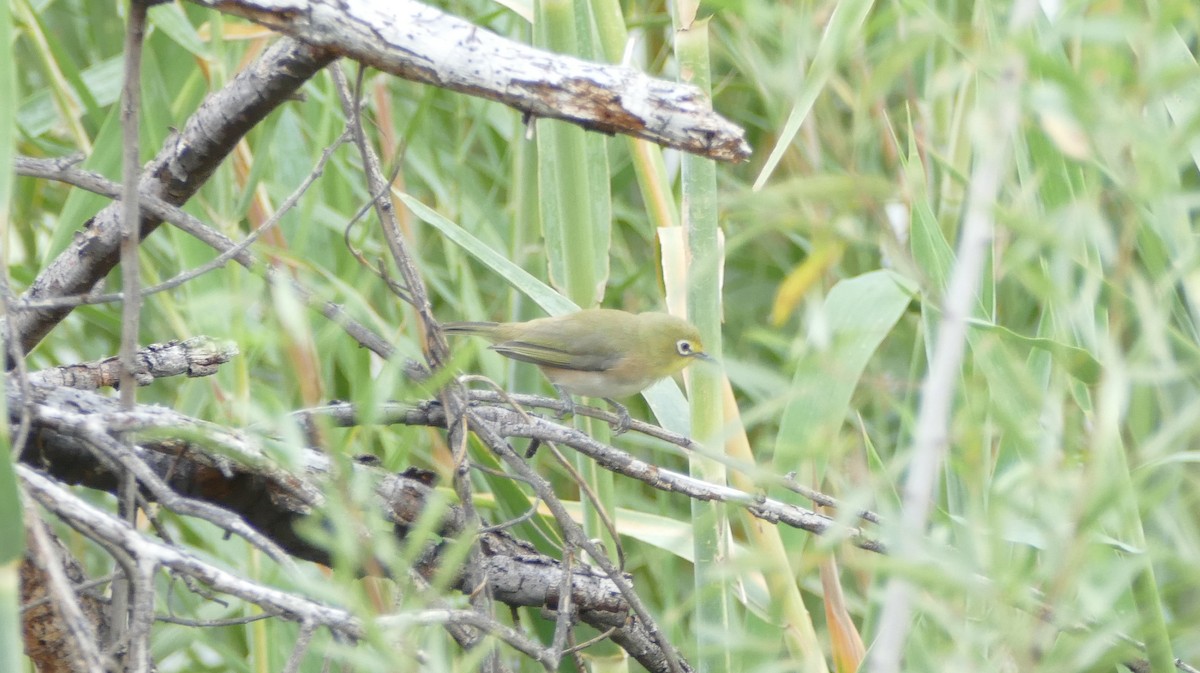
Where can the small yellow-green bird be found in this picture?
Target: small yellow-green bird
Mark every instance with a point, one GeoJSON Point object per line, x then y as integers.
{"type": "Point", "coordinates": [596, 352]}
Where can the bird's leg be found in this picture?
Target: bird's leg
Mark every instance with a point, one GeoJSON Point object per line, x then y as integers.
{"type": "Point", "coordinates": [624, 421]}
{"type": "Point", "coordinates": [568, 403]}
{"type": "Point", "coordinates": [620, 426]}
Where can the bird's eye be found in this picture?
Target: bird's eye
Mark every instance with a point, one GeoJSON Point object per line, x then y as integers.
{"type": "Point", "coordinates": [684, 347]}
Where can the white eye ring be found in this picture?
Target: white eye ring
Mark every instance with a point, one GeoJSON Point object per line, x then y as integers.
{"type": "Point", "coordinates": [684, 347]}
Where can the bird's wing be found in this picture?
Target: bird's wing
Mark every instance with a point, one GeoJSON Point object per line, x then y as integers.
{"type": "Point", "coordinates": [546, 356]}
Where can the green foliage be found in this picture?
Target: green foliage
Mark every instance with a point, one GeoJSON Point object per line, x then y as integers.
{"type": "Point", "coordinates": [865, 121]}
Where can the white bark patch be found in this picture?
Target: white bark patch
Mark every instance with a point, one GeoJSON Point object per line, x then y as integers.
{"type": "Point", "coordinates": [424, 44]}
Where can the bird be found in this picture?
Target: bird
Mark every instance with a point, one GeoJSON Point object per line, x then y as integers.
{"type": "Point", "coordinates": [596, 352]}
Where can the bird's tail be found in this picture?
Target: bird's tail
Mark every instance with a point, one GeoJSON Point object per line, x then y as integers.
{"type": "Point", "coordinates": [469, 328]}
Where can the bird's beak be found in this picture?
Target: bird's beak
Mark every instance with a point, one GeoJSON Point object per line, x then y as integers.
{"type": "Point", "coordinates": [704, 356]}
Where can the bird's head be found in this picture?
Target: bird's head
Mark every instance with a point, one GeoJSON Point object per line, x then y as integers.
{"type": "Point", "coordinates": [670, 343]}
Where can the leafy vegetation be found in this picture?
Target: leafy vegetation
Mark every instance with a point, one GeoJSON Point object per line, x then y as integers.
{"type": "Point", "coordinates": [1066, 512]}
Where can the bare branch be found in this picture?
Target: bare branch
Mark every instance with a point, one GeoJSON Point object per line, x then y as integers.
{"type": "Point", "coordinates": [182, 166]}
{"type": "Point", "coordinates": [277, 503]}
{"type": "Point", "coordinates": [436, 350]}
{"type": "Point", "coordinates": [125, 587]}
{"type": "Point", "coordinates": [666, 658]}
{"type": "Point", "coordinates": [15, 357]}
{"type": "Point", "coordinates": [302, 641]}
{"type": "Point", "coordinates": [424, 44]}
{"type": "Point", "coordinates": [95, 523]}
{"type": "Point", "coordinates": [510, 636]}
{"type": "Point", "coordinates": [198, 356]}
{"type": "Point", "coordinates": [141, 615]}
{"type": "Point", "coordinates": [131, 103]}
{"type": "Point", "coordinates": [92, 430]}
{"type": "Point", "coordinates": [60, 636]}
{"type": "Point", "coordinates": [762, 476]}
{"type": "Point", "coordinates": [65, 171]}
{"type": "Point", "coordinates": [148, 554]}
{"type": "Point", "coordinates": [509, 423]}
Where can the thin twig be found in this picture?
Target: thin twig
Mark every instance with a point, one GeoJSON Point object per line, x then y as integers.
{"type": "Point", "coordinates": [81, 587]}
{"type": "Point", "coordinates": [563, 621]}
{"type": "Point", "coordinates": [151, 513]}
{"type": "Point", "coordinates": [229, 252]}
{"type": "Point", "coordinates": [579, 647]}
{"type": "Point", "coordinates": [130, 213]}
{"type": "Point", "coordinates": [184, 163]}
{"type": "Point", "coordinates": [504, 525]}
{"type": "Point", "coordinates": [818, 498]}
{"type": "Point", "coordinates": [584, 487]}
{"type": "Point", "coordinates": [214, 623]}
{"type": "Point", "coordinates": [509, 423]}
{"type": "Point", "coordinates": [575, 535]}
{"type": "Point", "coordinates": [135, 33]}
{"type": "Point", "coordinates": [83, 638]}
{"type": "Point", "coordinates": [63, 171]}
{"type": "Point", "coordinates": [763, 476]}
{"type": "Point", "coordinates": [141, 620]}
{"type": "Point", "coordinates": [379, 270]}
{"type": "Point", "coordinates": [307, 629]}
{"type": "Point", "coordinates": [510, 636]}
{"type": "Point", "coordinates": [94, 432]}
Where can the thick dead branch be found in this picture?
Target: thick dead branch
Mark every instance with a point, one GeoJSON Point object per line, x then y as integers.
{"type": "Point", "coordinates": [424, 44]}
{"type": "Point", "coordinates": [98, 524]}
{"type": "Point", "coordinates": [278, 504]}
{"type": "Point", "coordinates": [118, 456]}
{"type": "Point", "coordinates": [149, 554]}
{"type": "Point", "coordinates": [198, 356]}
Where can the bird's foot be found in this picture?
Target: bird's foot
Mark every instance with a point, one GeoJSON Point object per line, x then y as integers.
{"type": "Point", "coordinates": [624, 420]}
{"type": "Point", "coordinates": [568, 404]}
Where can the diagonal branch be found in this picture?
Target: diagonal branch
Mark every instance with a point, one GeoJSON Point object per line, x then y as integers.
{"type": "Point", "coordinates": [149, 554]}
{"type": "Point", "coordinates": [424, 44]}
{"type": "Point", "coordinates": [508, 423]}
{"type": "Point", "coordinates": [189, 456]}
{"type": "Point", "coordinates": [667, 658]}
{"type": "Point", "coordinates": [182, 166]}
{"type": "Point", "coordinates": [65, 632]}
{"type": "Point", "coordinates": [64, 170]}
